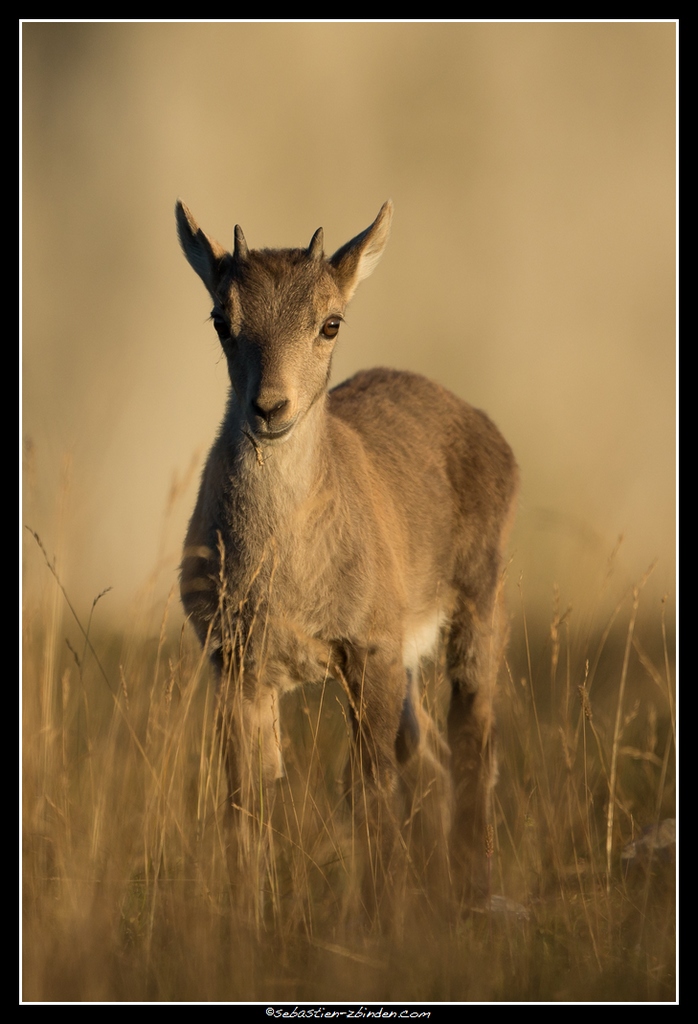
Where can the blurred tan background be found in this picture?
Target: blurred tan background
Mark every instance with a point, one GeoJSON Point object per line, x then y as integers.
{"type": "Point", "coordinates": [531, 266]}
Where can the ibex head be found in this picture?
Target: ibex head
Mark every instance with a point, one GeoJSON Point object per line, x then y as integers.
{"type": "Point", "coordinates": [277, 313]}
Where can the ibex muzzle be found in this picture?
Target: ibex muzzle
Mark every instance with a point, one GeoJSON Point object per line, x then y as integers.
{"type": "Point", "coordinates": [345, 534]}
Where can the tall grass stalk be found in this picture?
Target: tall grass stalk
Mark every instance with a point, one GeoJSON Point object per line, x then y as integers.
{"type": "Point", "coordinates": [617, 727]}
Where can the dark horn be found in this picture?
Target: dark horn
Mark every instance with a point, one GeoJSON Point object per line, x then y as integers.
{"type": "Point", "coordinates": [240, 252]}
{"type": "Point", "coordinates": [315, 251]}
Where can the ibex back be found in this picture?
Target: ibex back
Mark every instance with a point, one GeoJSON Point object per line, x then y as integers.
{"type": "Point", "coordinates": [344, 534]}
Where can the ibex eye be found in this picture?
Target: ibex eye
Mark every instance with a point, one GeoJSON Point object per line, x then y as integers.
{"type": "Point", "coordinates": [330, 328]}
{"type": "Point", "coordinates": [221, 327]}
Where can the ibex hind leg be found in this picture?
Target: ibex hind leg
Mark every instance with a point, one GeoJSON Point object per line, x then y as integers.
{"type": "Point", "coordinates": [371, 781]}
{"type": "Point", "coordinates": [423, 759]}
{"type": "Point", "coordinates": [473, 655]}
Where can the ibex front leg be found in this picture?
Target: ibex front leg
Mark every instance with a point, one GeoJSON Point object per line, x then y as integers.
{"type": "Point", "coordinates": [252, 750]}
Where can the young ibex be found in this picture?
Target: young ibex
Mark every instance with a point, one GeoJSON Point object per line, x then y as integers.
{"type": "Point", "coordinates": [343, 534]}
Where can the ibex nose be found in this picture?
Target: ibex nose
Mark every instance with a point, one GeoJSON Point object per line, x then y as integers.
{"type": "Point", "coordinates": [272, 414]}
{"type": "Point", "coordinates": [269, 410]}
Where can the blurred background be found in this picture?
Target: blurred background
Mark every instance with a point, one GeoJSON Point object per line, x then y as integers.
{"type": "Point", "coordinates": [531, 268]}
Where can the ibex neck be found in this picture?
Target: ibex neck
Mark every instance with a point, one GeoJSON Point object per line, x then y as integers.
{"type": "Point", "coordinates": [281, 473]}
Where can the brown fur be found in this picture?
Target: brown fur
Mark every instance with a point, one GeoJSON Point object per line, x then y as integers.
{"type": "Point", "coordinates": [343, 534]}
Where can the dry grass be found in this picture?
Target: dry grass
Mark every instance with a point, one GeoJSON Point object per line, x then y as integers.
{"type": "Point", "coordinates": [129, 893]}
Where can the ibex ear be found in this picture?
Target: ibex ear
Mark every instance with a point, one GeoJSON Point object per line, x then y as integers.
{"type": "Point", "coordinates": [357, 259]}
{"type": "Point", "coordinates": [203, 254]}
